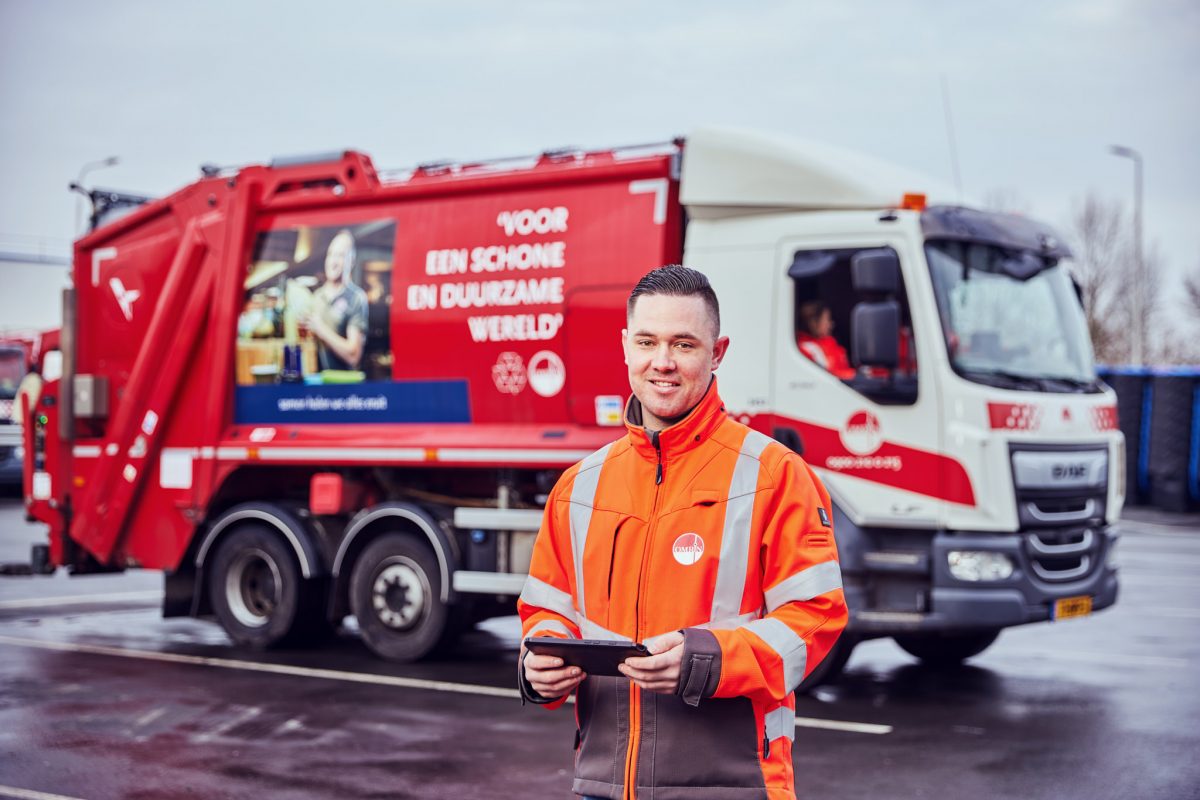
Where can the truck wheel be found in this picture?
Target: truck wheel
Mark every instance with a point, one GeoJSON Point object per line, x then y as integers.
{"type": "Point", "coordinates": [395, 594]}
{"type": "Point", "coordinates": [949, 649]}
{"type": "Point", "coordinates": [255, 587]}
{"type": "Point", "coordinates": [831, 667]}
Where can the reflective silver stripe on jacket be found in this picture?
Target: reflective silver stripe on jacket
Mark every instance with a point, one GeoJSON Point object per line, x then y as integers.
{"type": "Point", "coordinates": [735, 538]}
{"type": "Point", "coordinates": [583, 497]}
{"type": "Point", "coordinates": [551, 625]}
{"type": "Point", "coordinates": [806, 584]}
{"type": "Point", "coordinates": [540, 594]}
{"type": "Point", "coordinates": [788, 644]}
{"type": "Point", "coordinates": [780, 722]}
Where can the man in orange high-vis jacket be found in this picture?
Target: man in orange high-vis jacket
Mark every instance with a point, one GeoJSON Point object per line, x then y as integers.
{"type": "Point", "coordinates": [709, 542]}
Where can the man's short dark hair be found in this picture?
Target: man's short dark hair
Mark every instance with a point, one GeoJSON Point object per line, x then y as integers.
{"type": "Point", "coordinates": [676, 280]}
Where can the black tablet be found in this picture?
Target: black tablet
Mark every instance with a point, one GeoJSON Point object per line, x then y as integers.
{"type": "Point", "coordinates": [593, 656]}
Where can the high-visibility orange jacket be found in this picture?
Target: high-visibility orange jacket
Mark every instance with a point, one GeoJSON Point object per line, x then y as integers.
{"type": "Point", "coordinates": [710, 528]}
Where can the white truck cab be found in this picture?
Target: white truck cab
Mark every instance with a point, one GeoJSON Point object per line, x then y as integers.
{"type": "Point", "coordinates": [973, 456]}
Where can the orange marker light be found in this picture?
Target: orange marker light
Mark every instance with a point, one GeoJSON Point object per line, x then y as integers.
{"type": "Point", "coordinates": [913, 202]}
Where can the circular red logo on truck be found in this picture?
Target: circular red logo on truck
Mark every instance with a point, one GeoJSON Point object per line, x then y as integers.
{"type": "Point", "coordinates": [688, 548]}
{"type": "Point", "coordinates": [862, 433]}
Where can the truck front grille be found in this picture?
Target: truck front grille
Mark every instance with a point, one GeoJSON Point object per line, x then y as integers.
{"type": "Point", "coordinates": [1063, 555]}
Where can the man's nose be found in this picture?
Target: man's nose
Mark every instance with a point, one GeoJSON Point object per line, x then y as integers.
{"type": "Point", "coordinates": [663, 360]}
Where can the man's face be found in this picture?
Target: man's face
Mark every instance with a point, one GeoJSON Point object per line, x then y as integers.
{"type": "Point", "coordinates": [337, 258]}
{"type": "Point", "coordinates": [671, 349]}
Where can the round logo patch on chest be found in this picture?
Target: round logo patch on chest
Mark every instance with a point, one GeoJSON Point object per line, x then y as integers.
{"type": "Point", "coordinates": [688, 548]}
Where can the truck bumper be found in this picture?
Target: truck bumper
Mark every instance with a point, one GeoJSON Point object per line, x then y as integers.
{"type": "Point", "coordinates": [943, 603]}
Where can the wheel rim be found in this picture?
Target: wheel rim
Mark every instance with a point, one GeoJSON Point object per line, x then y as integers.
{"type": "Point", "coordinates": [253, 588]}
{"type": "Point", "coordinates": [400, 593]}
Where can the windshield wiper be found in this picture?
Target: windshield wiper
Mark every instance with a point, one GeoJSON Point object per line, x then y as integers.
{"type": "Point", "coordinates": [1011, 380]}
{"type": "Point", "coordinates": [1074, 384]}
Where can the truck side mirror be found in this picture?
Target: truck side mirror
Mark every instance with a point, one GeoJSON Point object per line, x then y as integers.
{"type": "Point", "coordinates": [875, 334]}
{"type": "Point", "coordinates": [875, 270]}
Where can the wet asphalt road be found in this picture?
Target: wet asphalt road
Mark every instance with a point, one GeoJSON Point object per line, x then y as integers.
{"type": "Point", "coordinates": [100, 698]}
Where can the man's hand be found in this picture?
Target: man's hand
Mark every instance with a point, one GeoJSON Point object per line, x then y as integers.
{"type": "Point", "coordinates": [316, 324]}
{"type": "Point", "coordinates": [548, 676]}
{"type": "Point", "coordinates": [658, 672]}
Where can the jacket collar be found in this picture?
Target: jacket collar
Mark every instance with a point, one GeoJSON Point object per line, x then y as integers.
{"type": "Point", "coordinates": [697, 426]}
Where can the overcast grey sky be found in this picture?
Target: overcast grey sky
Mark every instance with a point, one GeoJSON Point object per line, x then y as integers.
{"type": "Point", "coordinates": [1039, 90]}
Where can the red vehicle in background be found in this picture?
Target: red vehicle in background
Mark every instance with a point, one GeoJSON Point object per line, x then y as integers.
{"type": "Point", "coordinates": [19, 352]}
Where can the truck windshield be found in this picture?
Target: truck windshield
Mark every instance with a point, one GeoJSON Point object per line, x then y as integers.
{"type": "Point", "coordinates": [1010, 319]}
{"type": "Point", "coordinates": [12, 370]}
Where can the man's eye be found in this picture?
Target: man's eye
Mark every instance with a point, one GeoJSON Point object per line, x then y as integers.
{"type": "Point", "coordinates": [644, 343]}
{"type": "Point", "coordinates": [684, 345]}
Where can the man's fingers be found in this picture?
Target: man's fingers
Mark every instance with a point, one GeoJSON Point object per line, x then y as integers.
{"type": "Point", "coordinates": [556, 688]}
{"type": "Point", "coordinates": [542, 662]}
{"type": "Point", "coordinates": [664, 673]}
{"type": "Point", "coordinates": [656, 662]}
{"type": "Point", "coordinates": [661, 644]}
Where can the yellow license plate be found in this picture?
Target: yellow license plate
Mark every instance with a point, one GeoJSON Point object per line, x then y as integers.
{"type": "Point", "coordinates": [1067, 607]}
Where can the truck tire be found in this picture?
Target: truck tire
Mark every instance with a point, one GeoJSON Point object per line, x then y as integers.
{"type": "Point", "coordinates": [946, 650]}
{"type": "Point", "coordinates": [257, 591]}
{"type": "Point", "coordinates": [395, 594]}
{"type": "Point", "coordinates": [831, 667]}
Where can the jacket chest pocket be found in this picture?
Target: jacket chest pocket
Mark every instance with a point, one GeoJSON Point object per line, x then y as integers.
{"type": "Point", "coordinates": [609, 567]}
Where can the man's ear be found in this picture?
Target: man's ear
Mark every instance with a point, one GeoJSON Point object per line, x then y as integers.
{"type": "Point", "coordinates": [624, 340]}
{"type": "Point", "coordinates": [720, 347]}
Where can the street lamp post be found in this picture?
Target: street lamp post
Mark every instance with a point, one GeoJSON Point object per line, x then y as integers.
{"type": "Point", "coordinates": [1139, 282]}
{"type": "Point", "coordinates": [77, 186]}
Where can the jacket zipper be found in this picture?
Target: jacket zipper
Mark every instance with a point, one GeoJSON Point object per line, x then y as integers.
{"type": "Point", "coordinates": [658, 471]}
{"type": "Point", "coordinates": [635, 699]}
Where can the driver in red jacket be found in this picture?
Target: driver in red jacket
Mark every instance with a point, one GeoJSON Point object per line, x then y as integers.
{"type": "Point", "coordinates": [815, 339]}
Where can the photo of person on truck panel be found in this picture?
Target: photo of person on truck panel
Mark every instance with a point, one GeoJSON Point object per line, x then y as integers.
{"type": "Point", "coordinates": [338, 318]}
{"type": "Point", "coordinates": [324, 292]}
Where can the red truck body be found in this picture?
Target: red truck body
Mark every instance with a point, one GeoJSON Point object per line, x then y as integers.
{"type": "Point", "coordinates": [482, 283]}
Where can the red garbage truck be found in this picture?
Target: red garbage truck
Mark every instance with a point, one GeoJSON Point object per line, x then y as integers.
{"type": "Point", "coordinates": [308, 389]}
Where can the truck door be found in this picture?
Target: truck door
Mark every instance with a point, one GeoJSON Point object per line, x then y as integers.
{"type": "Point", "coordinates": [871, 432]}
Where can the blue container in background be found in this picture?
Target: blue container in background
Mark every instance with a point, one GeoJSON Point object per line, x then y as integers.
{"type": "Point", "coordinates": [1174, 457]}
{"type": "Point", "coordinates": [1135, 399]}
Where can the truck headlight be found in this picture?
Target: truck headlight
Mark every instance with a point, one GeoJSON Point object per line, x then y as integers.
{"type": "Point", "coordinates": [979, 565]}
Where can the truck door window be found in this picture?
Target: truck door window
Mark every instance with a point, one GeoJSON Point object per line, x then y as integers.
{"type": "Point", "coordinates": [824, 299]}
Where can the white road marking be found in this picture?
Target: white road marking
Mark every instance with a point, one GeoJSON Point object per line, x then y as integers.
{"type": "Point", "coordinates": [78, 599]}
{"type": "Point", "coordinates": [838, 725]}
{"type": "Point", "coordinates": [149, 716]}
{"type": "Point", "coordinates": [277, 669]}
{"type": "Point", "coordinates": [360, 677]}
{"type": "Point", "coordinates": [245, 715]}
{"type": "Point", "coordinates": [30, 794]}
{"type": "Point", "coordinates": [293, 724]}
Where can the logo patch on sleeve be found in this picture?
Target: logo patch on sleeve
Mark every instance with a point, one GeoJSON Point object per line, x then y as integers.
{"type": "Point", "coordinates": [824, 517]}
